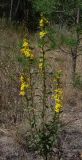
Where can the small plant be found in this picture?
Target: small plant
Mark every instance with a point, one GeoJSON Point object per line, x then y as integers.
{"type": "Point", "coordinates": [44, 127]}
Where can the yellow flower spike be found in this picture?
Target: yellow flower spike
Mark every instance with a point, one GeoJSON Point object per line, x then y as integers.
{"type": "Point", "coordinates": [43, 34]}
{"type": "Point", "coordinates": [58, 93]}
{"type": "Point", "coordinates": [58, 100]}
{"type": "Point", "coordinates": [40, 64]}
{"type": "Point", "coordinates": [43, 22]}
{"type": "Point", "coordinates": [24, 85]}
{"type": "Point", "coordinates": [21, 78]}
{"type": "Point", "coordinates": [58, 108]}
{"type": "Point", "coordinates": [25, 44]}
{"type": "Point", "coordinates": [26, 51]}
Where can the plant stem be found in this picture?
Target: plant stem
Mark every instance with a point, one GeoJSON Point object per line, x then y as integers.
{"type": "Point", "coordinates": [44, 88]}
{"type": "Point", "coordinates": [32, 100]}
{"type": "Point", "coordinates": [30, 121]}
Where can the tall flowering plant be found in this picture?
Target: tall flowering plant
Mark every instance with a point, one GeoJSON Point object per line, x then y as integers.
{"type": "Point", "coordinates": [26, 84]}
{"type": "Point", "coordinates": [44, 136]}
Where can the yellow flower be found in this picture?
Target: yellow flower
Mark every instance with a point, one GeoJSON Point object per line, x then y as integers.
{"type": "Point", "coordinates": [43, 34]}
{"type": "Point", "coordinates": [21, 78]}
{"type": "Point", "coordinates": [58, 107]}
{"type": "Point", "coordinates": [40, 65]}
{"type": "Point", "coordinates": [22, 93]}
{"type": "Point", "coordinates": [26, 51]}
{"type": "Point", "coordinates": [24, 85]}
{"type": "Point", "coordinates": [43, 22]}
{"type": "Point", "coordinates": [58, 100]}
{"type": "Point", "coordinates": [58, 94]}
{"type": "Point", "coordinates": [25, 43]}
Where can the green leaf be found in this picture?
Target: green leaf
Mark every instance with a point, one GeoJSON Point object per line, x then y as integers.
{"type": "Point", "coordinates": [71, 42]}
{"type": "Point", "coordinates": [20, 44]}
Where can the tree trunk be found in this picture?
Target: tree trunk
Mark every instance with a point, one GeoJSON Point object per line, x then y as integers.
{"type": "Point", "coordinates": [78, 15]}
{"type": "Point", "coordinates": [74, 51]}
{"type": "Point", "coordinates": [74, 59]}
{"type": "Point", "coordinates": [10, 17]}
{"type": "Point", "coordinates": [17, 8]}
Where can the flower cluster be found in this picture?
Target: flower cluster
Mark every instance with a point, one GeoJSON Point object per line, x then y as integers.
{"type": "Point", "coordinates": [43, 34]}
{"type": "Point", "coordinates": [58, 100]}
{"type": "Point", "coordinates": [43, 22]}
{"type": "Point", "coordinates": [58, 93]}
{"type": "Point", "coordinates": [41, 64]}
{"type": "Point", "coordinates": [24, 85]}
{"type": "Point", "coordinates": [26, 51]}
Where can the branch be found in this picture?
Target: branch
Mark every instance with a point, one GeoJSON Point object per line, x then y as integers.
{"type": "Point", "coordinates": [17, 7]}
{"type": "Point", "coordinates": [79, 55]}
{"type": "Point", "coordinates": [78, 16]}
{"type": "Point", "coordinates": [66, 52]}
{"type": "Point", "coordinates": [11, 7]}
{"type": "Point", "coordinates": [47, 50]}
{"type": "Point", "coordinates": [4, 131]}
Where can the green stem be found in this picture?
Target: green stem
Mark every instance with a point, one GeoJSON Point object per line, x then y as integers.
{"type": "Point", "coordinates": [44, 88]}
{"type": "Point", "coordinates": [30, 121]}
{"type": "Point", "coordinates": [32, 100]}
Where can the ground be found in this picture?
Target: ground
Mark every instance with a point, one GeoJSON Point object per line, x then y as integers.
{"type": "Point", "coordinates": [12, 113]}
